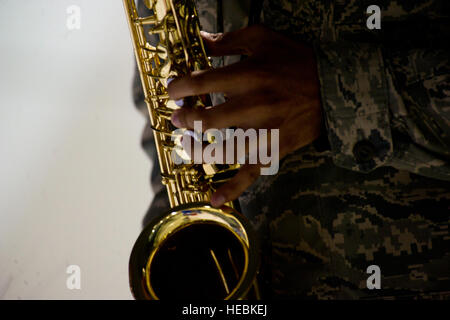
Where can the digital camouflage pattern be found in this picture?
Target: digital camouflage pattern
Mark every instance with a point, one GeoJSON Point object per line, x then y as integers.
{"type": "Point", "coordinates": [374, 189]}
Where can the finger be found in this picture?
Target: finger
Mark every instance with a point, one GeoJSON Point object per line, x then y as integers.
{"type": "Point", "coordinates": [243, 41]}
{"type": "Point", "coordinates": [238, 112]}
{"type": "Point", "coordinates": [233, 188]}
{"type": "Point", "coordinates": [217, 117]}
{"type": "Point", "coordinates": [207, 81]}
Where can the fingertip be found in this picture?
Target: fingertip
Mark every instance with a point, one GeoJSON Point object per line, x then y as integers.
{"type": "Point", "coordinates": [204, 34]}
{"type": "Point", "coordinates": [172, 90]}
{"type": "Point", "coordinates": [217, 200]}
{"type": "Point", "coordinates": [176, 119]}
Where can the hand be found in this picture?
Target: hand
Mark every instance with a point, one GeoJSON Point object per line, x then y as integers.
{"type": "Point", "coordinates": [275, 87]}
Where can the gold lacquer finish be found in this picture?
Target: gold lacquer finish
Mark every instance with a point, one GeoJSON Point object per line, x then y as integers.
{"type": "Point", "coordinates": [194, 250]}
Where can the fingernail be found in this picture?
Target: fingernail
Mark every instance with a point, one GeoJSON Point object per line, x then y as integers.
{"type": "Point", "coordinates": [169, 80]}
{"type": "Point", "coordinates": [217, 200]}
{"type": "Point", "coordinates": [179, 103]}
{"type": "Point", "coordinates": [176, 120]}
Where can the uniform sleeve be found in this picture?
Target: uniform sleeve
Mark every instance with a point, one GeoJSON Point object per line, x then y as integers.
{"type": "Point", "coordinates": [386, 107]}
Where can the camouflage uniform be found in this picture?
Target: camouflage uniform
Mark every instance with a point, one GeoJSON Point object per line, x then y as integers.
{"type": "Point", "coordinates": [374, 189]}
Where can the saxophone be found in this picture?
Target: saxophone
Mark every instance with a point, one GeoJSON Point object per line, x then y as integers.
{"type": "Point", "coordinates": [194, 250]}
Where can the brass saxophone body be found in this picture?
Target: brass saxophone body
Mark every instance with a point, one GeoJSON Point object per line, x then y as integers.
{"type": "Point", "coordinates": [194, 250]}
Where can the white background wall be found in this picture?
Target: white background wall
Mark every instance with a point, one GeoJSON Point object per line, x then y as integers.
{"type": "Point", "coordinates": [73, 178]}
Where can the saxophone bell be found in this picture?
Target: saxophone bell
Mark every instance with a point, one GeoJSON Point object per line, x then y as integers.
{"type": "Point", "coordinates": [195, 251]}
